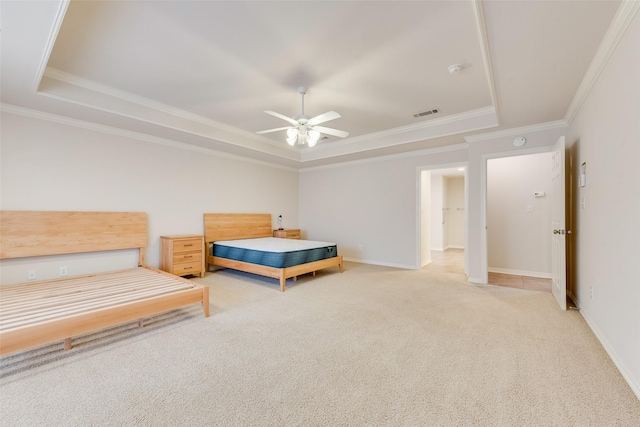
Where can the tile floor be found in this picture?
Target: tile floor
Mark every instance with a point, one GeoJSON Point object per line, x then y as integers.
{"type": "Point", "coordinates": [452, 261]}
{"type": "Point", "coordinates": [522, 282]}
{"type": "Point", "coordinates": [449, 261]}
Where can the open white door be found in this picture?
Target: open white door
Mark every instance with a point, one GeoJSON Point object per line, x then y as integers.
{"type": "Point", "coordinates": [558, 239]}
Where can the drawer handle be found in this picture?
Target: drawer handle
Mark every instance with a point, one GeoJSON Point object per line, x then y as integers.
{"type": "Point", "coordinates": [187, 268]}
{"type": "Point", "coordinates": [188, 256]}
{"type": "Point", "coordinates": [190, 244]}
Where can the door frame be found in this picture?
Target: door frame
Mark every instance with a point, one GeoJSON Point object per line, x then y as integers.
{"type": "Point", "coordinates": [484, 244]}
{"type": "Point", "coordinates": [418, 235]}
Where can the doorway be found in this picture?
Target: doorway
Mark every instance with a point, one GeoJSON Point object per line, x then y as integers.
{"type": "Point", "coordinates": [518, 217]}
{"type": "Point", "coordinates": [443, 219]}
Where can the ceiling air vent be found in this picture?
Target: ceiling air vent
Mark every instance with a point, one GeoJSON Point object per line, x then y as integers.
{"type": "Point", "coordinates": [426, 113]}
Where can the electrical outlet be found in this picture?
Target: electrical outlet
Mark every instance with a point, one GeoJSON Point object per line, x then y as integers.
{"type": "Point", "coordinates": [31, 275]}
{"type": "Point", "coordinates": [360, 247]}
{"type": "Point", "coordinates": [64, 271]}
{"type": "Point", "coordinates": [591, 291]}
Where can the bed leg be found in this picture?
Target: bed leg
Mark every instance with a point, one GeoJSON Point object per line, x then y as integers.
{"type": "Point", "coordinates": [314, 274]}
{"type": "Point", "coordinates": [341, 265]}
{"type": "Point", "coordinates": [205, 300]}
{"type": "Point", "coordinates": [282, 282]}
{"type": "Point", "coordinates": [140, 322]}
{"type": "Point", "coordinates": [67, 343]}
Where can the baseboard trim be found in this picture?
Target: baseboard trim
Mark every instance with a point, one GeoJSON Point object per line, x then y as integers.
{"type": "Point", "coordinates": [383, 264]}
{"type": "Point", "coordinates": [520, 272]}
{"type": "Point", "coordinates": [426, 262]}
{"type": "Point", "coordinates": [448, 247]}
{"type": "Point", "coordinates": [612, 354]}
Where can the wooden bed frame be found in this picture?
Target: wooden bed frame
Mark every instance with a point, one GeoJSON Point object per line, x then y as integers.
{"type": "Point", "coordinates": [38, 313]}
{"type": "Point", "coordinates": [248, 226]}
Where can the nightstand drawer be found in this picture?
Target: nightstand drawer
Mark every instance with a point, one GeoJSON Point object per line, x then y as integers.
{"type": "Point", "coordinates": [182, 255]}
{"type": "Point", "coordinates": [292, 233]}
{"type": "Point", "coordinates": [187, 268]}
{"type": "Point", "coordinates": [191, 256]}
{"type": "Point", "coordinates": [187, 245]}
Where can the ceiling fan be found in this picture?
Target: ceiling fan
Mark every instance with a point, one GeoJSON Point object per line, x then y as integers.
{"type": "Point", "coordinates": [305, 129]}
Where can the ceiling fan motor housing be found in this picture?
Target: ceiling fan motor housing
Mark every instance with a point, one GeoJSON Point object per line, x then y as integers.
{"type": "Point", "coordinates": [305, 129]}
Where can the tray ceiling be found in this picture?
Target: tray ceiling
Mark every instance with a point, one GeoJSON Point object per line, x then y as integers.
{"type": "Point", "coordinates": [201, 73]}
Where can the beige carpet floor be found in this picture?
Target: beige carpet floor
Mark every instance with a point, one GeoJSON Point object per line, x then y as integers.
{"type": "Point", "coordinates": [372, 346]}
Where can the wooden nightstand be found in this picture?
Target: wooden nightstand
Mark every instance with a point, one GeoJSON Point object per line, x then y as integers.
{"type": "Point", "coordinates": [291, 233]}
{"type": "Point", "coordinates": [182, 255]}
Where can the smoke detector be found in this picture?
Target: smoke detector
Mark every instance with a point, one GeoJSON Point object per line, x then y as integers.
{"type": "Point", "coordinates": [455, 69]}
{"type": "Point", "coordinates": [519, 141]}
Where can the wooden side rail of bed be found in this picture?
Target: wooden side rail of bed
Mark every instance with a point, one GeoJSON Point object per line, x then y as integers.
{"type": "Point", "coordinates": [37, 313]}
{"type": "Point", "coordinates": [248, 226]}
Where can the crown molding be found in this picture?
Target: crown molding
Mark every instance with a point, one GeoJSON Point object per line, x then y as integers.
{"type": "Point", "coordinates": [81, 124]}
{"type": "Point", "coordinates": [478, 8]}
{"type": "Point", "coordinates": [92, 86]}
{"type": "Point", "coordinates": [425, 152]}
{"type": "Point", "coordinates": [475, 120]}
{"type": "Point", "coordinates": [69, 88]}
{"type": "Point", "coordinates": [51, 41]}
{"type": "Point", "coordinates": [516, 131]}
{"type": "Point", "coordinates": [142, 109]}
{"type": "Point", "coordinates": [625, 14]}
{"type": "Point", "coordinates": [433, 123]}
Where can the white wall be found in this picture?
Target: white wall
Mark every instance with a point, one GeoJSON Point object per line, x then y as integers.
{"type": "Point", "coordinates": [50, 166]}
{"type": "Point", "coordinates": [372, 203]}
{"type": "Point", "coordinates": [605, 134]}
{"type": "Point", "coordinates": [519, 241]}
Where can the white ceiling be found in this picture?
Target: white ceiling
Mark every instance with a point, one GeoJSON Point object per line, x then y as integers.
{"type": "Point", "coordinates": [202, 73]}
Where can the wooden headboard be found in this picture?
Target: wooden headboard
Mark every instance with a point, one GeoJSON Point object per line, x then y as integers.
{"type": "Point", "coordinates": [236, 226]}
{"type": "Point", "coordinates": [40, 233]}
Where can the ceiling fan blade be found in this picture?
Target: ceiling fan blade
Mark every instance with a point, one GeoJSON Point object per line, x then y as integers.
{"type": "Point", "coordinates": [329, 115]}
{"type": "Point", "coordinates": [273, 130]}
{"type": "Point", "coordinates": [334, 132]}
{"type": "Point", "coordinates": [282, 116]}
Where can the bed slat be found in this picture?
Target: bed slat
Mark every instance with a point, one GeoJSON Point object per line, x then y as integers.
{"type": "Point", "coordinates": [80, 290]}
{"type": "Point", "coordinates": [146, 283]}
{"type": "Point", "coordinates": [63, 328]}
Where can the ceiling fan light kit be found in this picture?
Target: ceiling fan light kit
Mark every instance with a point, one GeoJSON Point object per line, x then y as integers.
{"type": "Point", "coordinates": [304, 130]}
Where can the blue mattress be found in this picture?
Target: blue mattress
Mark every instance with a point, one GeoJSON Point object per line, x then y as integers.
{"type": "Point", "coordinates": [274, 252]}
